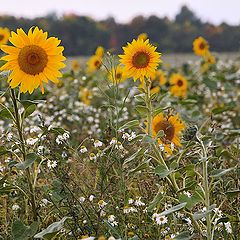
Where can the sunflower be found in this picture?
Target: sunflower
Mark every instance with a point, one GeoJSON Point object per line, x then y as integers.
{"type": "Point", "coordinates": [172, 126]}
{"type": "Point", "coordinates": [85, 95]}
{"type": "Point", "coordinates": [33, 60]}
{"type": "Point", "coordinates": [94, 63]}
{"type": "Point", "coordinates": [178, 85]}
{"type": "Point", "coordinates": [143, 36]}
{"type": "Point", "coordinates": [75, 65]}
{"type": "Point", "coordinates": [4, 35]}
{"type": "Point", "coordinates": [200, 46]}
{"type": "Point", "coordinates": [209, 58]}
{"type": "Point", "coordinates": [160, 77]}
{"type": "Point", "coordinates": [140, 59]}
{"type": "Point", "coordinates": [99, 51]}
{"type": "Point", "coordinates": [117, 75]}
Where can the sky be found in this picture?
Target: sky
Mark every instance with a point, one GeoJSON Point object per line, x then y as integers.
{"type": "Point", "coordinates": [215, 11]}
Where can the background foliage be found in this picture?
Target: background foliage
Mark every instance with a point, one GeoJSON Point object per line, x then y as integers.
{"type": "Point", "coordinates": [81, 34]}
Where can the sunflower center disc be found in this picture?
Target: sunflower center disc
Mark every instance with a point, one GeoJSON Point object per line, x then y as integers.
{"type": "Point", "coordinates": [202, 46]}
{"type": "Point", "coordinates": [1, 37]}
{"type": "Point", "coordinates": [140, 60]}
{"type": "Point", "coordinates": [168, 129]}
{"type": "Point", "coordinates": [32, 59]}
{"type": "Point", "coordinates": [97, 64]}
{"type": "Point", "coordinates": [118, 75]}
{"type": "Point", "coordinates": [179, 82]}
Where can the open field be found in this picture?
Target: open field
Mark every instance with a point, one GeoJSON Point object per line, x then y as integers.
{"type": "Point", "coordinates": [176, 59]}
{"type": "Point", "coordinates": [104, 151]}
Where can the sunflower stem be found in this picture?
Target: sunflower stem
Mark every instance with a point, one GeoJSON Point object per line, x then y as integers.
{"type": "Point", "coordinates": [22, 142]}
{"type": "Point", "coordinates": [148, 105]}
{"type": "Point", "coordinates": [206, 189]}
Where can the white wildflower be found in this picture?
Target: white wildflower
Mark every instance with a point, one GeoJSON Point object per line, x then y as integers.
{"type": "Point", "coordinates": [31, 141]}
{"type": "Point", "coordinates": [97, 143]}
{"type": "Point", "coordinates": [228, 227]}
{"type": "Point", "coordinates": [91, 197]}
{"type": "Point", "coordinates": [51, 164]}
{"type": "Point", "coordinates": [9, 136]}
{"type": "Point", "coordinates": [139, 203]}
{"type": "Point", "coordinates": [82, 199]}
{"type": "Point", "coordinates": [83, 149]}
{"type": "Point", "coordinates": [15, 207]}
{"type": "Point", "coordinates": [113, 141]}
{"type": "Point", "coordinates": [40, 150]}
{"type": "Point", "coordinates": [101, 203]}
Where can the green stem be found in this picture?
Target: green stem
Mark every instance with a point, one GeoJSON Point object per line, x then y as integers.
{"type": "Point", "coordinates": [148, 102]}
{"type": "Point", "coordinates": [206, 189]}
{"type": "Point", "coordinates": [21, 138]}
{"type": "Point", "coordinates": [148, 105]}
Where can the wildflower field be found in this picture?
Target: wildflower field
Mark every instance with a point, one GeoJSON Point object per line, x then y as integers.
{"type": "Point", "coordinates": [122, 147]}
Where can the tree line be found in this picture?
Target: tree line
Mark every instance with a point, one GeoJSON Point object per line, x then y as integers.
{"type": "Point", "coordinates": [81, 34]}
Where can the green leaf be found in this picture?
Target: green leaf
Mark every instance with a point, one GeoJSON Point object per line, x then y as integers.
{"type": "Point", "coordinates": [160, 134]}
{"type": "Point", "coordinates": [140, 97]}
{"type": "Point", "coordinates": [29, 110]}
{"type": "Point", "coordinates": [135, 156]}
{"type": "Point", "coordinates": [220, 172]}
{"type": "Point", "coordinates": [156, 200]}
{"type": "Point", "coordinates": [30, 158]}
{"type": "Point", "coordinates": [173, 209]}
{"type": "Point", "coordinates": [23, 232]}
{"type": "Point", "coordinates": [27, 103]}
{"type": "Point", "coordinates": [140, 167]}
{"type": "Point", "coordinates": [159, 110]}
{"type": "Point", "coordinates": [210, 83]}
{"type": "Point", "coordinates": [5, 113]}
{"type": "Point", "coordinates": [148, 139]}
{"type": "Point", "coordinates": [51, 230]}
{"type": "Point", "coordinates": [141, 109]}
{"type": "Point", "coordinates": [57, 130]}
{"type": "Point", "coordinates": [188, 101]}
{"type": "Point", "coordinates": [200, 215]}
{"type": "Point", "coordinates": [3, 151]}
{"type": "Point", "coordinates": [112, 229]}
{"type": "Point", "coordinates": [162, 171]}
{"type": "Point", "coordinates": [130, 124]}
{"type": "Point", "coordinates": [221, 109]}
{"type": "Point", "coordinates": [191, 201]}
{"type": "Point", "coordinates": [174, 165]}
{"type": "Point", "coordinates": [183, 236]}
{"type": "Point", "coordinates": [232, 193]}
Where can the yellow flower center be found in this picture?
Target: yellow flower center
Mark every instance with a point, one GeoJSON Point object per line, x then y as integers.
{"type": "Point", "coordinates": [32, 59]}
{"type": "Point", "coordinates": [202, 45]}
{"type": "Point", "coordinates": [1, 37]}
{"type": "Point", "coordinates": [140, 60]}
{"type": "Point", "coordinates": [168, 129]}
{"type": "Point", "coordinates": [179, 82]}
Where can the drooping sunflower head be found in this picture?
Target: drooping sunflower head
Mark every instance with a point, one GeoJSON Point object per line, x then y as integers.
{"type": "Point", "coordinates": [33, 59]}
{"type": "Point", "coordinates": [75, 65]}
{"type": "Point", "coordinates": [4, 35]}
{"type": "Point", "coordinates": [143, 36]}
{"type": "Point", "coordinates": [94, 63]}
{"type": "Point", "coordinates": [172, 126]}
{"type": "Point", "coordinates": [178, 84]}
{"type": "Point", "coordinates": [200, 46]}
{"type": "Point", "coordinates": [99, 51]}
{"type": "Point", "coordinates": [209, 58]}
{"type": "Point", "coordinates": [117, 75]}
{"type": "Point", "coordinates": [140, 59]}
{"type": "Point", "coordinates": [85, 96]}
{"type": "Point", "coordinates": [161, 77]}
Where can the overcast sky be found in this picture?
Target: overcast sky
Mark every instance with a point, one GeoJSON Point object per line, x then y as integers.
{"type": "Point", "coordinates": [215, 11]}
